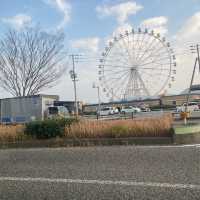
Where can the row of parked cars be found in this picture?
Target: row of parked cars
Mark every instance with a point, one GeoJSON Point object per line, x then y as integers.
{"type": "Point", "coordinates": [124, 110]}
{"type": "Point", "coordinates": [192, 106]}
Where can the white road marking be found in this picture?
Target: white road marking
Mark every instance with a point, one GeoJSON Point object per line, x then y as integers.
{"type": "Point", "coordinates": [191, 145]}
{"type": "Point", "coordinates": [169, 146]}
{"type": "Point", "coordinates": [102, 182]}
{"type": "Point", "coordinates": [78, 147]}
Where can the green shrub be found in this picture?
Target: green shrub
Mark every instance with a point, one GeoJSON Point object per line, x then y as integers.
{"type": "Point", "coordinates": [66, 121]}
{"type": "Point", "coordinates": [48, 128]}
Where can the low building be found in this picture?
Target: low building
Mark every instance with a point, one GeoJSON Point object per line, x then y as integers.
{"type": "Point", "coordinates": [181, 98]}
{"type": "Point", "coordinates": [25, 109]}
{"type": "Point", "coordinates": [168, 101]}
{"type": "Point", "coordinates": [177, 100]}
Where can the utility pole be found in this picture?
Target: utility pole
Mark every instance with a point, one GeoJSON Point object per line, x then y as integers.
{"type": "Point", "coordinates": [198, 57]}
{"type": "Point", "coordinates": [195, 49]}
{"type": "Point", "coordinates": [73, 75]}
{"type": "Point", "coordinates": [191, 82]}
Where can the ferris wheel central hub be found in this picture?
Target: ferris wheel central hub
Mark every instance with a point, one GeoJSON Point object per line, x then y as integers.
{"type": "Point", "coordinates": [133, 68]}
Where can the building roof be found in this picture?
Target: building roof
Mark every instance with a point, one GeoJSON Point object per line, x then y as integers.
{"type": "Point", "coordinates": [125, 101]}
{"type": "Point", "coordinates": [182, 94]}
{"type": "Point", "coordinates": [195, 89]}
{"type": "Point", "coordinates": [35, 96]}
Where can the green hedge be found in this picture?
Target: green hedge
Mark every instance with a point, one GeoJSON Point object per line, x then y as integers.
{"type": "Point", "coordinates": [48, 128]}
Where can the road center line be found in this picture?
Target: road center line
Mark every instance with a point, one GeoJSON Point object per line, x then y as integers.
{"type": "Point", "coordinates": [102, 182]}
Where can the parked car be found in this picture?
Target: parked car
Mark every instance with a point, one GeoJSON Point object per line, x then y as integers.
{"type": "Point", "coordinates": [130, 109]}
{"type": "Point", "coordinates": [192, 106]}
{"type": "Point", "coordinates": [108, 111]}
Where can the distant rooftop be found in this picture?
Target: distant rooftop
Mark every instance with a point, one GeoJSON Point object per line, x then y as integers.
{"type": "Point", "coordinates": [32, 96]}
{"type": "Point", "coordinates": [195, 89]}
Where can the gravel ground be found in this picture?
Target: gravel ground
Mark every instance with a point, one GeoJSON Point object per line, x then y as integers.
{"type": "Point", "coordinates": [149, 168]}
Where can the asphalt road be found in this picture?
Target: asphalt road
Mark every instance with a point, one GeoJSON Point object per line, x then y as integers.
{"type": "Point", "coordinates": [118, 172]}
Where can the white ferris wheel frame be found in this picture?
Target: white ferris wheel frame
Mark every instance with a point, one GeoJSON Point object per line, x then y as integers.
{"type": "Point", "coordinates": [131, 73]}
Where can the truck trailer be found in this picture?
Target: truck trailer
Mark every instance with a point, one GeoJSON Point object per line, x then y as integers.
{"type": "Point", "coordinates": [26, 109]}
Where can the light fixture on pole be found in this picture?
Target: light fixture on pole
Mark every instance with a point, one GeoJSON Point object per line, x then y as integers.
{"type": "Point", "coordinates": [99, 101]}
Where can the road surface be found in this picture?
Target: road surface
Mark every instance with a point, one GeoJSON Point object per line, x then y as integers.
{"type": "Point", "coordinates": [116, 172]}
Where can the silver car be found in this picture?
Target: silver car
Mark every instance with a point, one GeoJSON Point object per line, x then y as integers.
{"type": "Point", "coordinates": [130, 109]}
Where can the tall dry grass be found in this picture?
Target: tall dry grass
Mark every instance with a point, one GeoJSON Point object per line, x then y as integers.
{"type": "Point", "coordinates": [11, 133]}
{"type": "Point", "coordinates": [149, 127]}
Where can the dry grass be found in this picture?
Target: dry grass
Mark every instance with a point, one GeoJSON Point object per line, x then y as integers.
{"type": "Point", "coordinates": [149, 127]}
{"type": "Point", "coordinates": [11, 133]}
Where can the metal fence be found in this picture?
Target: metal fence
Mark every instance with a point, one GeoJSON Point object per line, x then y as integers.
{"type": "Point", "coordinates": [127, 115]}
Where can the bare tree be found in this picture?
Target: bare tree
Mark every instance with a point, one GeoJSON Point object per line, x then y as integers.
{"type": "Point", "coordinates": [30, 60]}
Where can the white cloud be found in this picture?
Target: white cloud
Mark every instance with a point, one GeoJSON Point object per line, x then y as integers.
{"type": "Point", "coordinates": [86, 44]}
{"type": "Point", "coordinates": [158, 24]}
{"type": "Point", "coordinates": [86, 69]}
{"type": "Point", "coordinates": [188, 34]}
{"type": "Point", "coordinates": [190, 31]}
{"type": "Point", "coordinates": [121, 11]}
{"type": "Point", "coordinates": [64, 7]}
{"type": "Point", "coordinates": [17, 21]}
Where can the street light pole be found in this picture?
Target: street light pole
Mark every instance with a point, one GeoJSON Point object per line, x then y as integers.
{"type": "Point", "coordinates": [112, 95]}
{"type": "Point", "coordinates": [99, 100]}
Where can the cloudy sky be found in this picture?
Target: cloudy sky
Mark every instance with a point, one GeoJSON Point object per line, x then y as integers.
{"type": "Point", "coordinates": [89, 23]}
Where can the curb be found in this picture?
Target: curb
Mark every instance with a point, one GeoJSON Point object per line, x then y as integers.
{"type": "Point", "coordinates": [189, 138]}
{"type": "Point", "coordinates": [87, 142]}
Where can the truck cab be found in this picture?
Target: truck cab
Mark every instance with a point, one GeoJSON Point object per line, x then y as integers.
{"type": "Point", "coordinates": [57, 111]}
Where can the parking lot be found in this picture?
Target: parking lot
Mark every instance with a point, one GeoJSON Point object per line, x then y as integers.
{"type": "Point", "coordinates": [195, 115]}
{"type": "Point", "coordinates": [118, 172]}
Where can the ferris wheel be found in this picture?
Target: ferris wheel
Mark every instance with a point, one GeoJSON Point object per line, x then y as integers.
{"type": "Point", "coordinates": [137, 64]}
